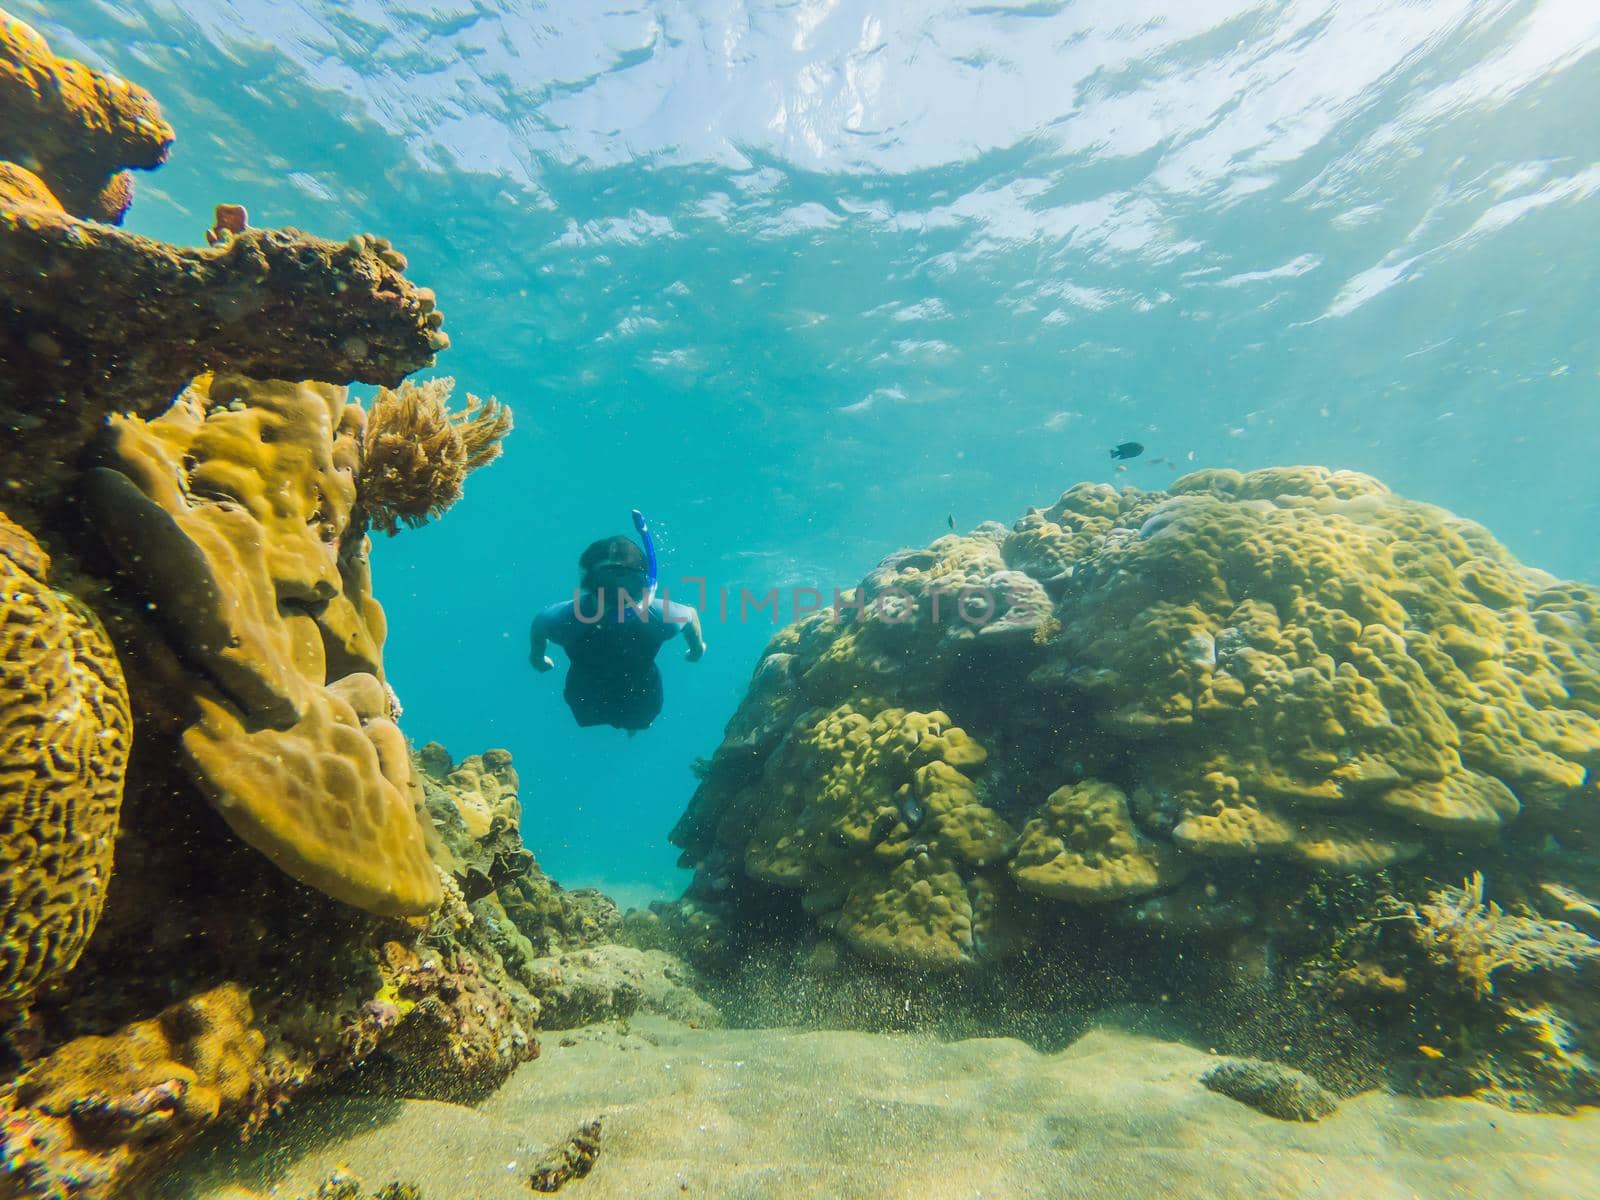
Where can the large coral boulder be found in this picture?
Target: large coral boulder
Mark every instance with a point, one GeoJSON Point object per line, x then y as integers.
{"type": "Point", "coordinates": [1128, 692]}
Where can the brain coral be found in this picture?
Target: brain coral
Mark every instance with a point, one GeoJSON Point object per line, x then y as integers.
{"type": "Point", "coordinates": [65, 730]}
{"type": "Point", "coordinates": [1290, 666]}
{"type": "Point", "coordinates": [232, 514]}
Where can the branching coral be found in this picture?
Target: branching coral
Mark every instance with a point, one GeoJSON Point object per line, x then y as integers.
{"type": "Point", "coordinates": [417, 454]}
{"type": "Point", "coordinates": [1474, 939]}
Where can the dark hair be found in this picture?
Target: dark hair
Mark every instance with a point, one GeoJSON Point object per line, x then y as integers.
{"type": "Point", "coordinates": [617, 553]}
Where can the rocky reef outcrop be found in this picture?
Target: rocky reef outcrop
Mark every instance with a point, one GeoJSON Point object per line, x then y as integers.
{"type": "Point", "coordinates": [227, 877]}
{"type": "Point", "coordinates": [1239, 716]}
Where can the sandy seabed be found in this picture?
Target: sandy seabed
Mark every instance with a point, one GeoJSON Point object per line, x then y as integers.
{"type": "Point", "coordinates": [765, 1113]}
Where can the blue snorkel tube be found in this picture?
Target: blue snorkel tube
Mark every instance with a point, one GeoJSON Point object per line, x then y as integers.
{"type": "Point", "coordinates": [649, 557]}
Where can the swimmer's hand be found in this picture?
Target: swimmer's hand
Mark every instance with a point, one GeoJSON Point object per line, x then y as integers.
{"type": "Point", "coordinates": [542, 663]}
{"type": "Point", "coordinates": [695, 652]}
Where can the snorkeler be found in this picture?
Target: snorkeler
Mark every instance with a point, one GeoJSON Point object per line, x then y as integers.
{"type": "Point", "coordinates": [612, 632]}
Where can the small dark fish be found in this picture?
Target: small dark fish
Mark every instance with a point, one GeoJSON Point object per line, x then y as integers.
{"type": "Point", "coordinates": [1157, 459]}
{"type": "Point", "coordinates": [951, 520]}
{"type": "Point", "coordinates": [1128, 450]}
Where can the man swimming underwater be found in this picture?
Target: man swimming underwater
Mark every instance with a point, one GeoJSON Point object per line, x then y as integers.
{"type": "Point", "coordinates": [612, 633]}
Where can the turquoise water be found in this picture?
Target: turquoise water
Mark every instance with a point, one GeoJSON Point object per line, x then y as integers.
{"type": "Point", "coordinates": [804, 280]}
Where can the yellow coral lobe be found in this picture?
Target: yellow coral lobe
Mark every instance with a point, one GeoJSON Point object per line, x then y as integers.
{"type": "Point", "coordinates": [234, 513]}
{"type": "Point", "coordinates": [1083, 845]}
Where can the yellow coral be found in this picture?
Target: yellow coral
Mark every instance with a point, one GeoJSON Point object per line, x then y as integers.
{"type": "Point", "coordinates": [1291, 663]}
{"type": "Point", "coordinates": [852, 810]}
{"type": "Point", "coordinates": [115, 1108]}
{"type": "Point", "coordinates": [74, 126]}
{"type": "Point", "coordinates": [65, 730]}
{"type": "Point", "coordinates": [1083, 845]}
{"type": "Point", "coordinates": [417, 454]}
{"type": "Point", "coordinates": [232, 512]}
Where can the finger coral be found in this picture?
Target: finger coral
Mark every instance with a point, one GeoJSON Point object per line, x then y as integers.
{"type": "Point", "coordinates": [65, 731]}
{"type": "Point", "coordinates": [417, 454]}
{"type": "Point", "coordinates": [232, 513]}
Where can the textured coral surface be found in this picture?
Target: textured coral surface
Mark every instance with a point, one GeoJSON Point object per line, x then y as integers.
{"type": "Point", "coordinates": [103, 1112]}
{"type": "Point", "coordinates": [65, 731]}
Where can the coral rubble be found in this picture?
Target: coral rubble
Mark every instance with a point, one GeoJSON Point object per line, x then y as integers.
{"type": "Point", "coordinates": [572, 1159]}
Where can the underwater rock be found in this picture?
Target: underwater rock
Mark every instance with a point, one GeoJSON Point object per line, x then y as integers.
{"type": "Point", "coordinates": [75, 127]}
{"type": "Point", "coordinates": [231, 514]}
{"type": "Point", "coordinates": [606, 982]}
{"type": "Point", "coordinates": [1292, 669]}
{"type": "Point", "coordinates": [65, 732]}
{"type": "Point", "coordinates": [1271, 1088]}
{"type": "Point", "coordinates": [417, 453]}
{"type": "Point", "coordinates": [105, 1112]}
{"type": "Point", "coordinates": [572, 1159]}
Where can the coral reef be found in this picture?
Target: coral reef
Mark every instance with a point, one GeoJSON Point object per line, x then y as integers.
{"type": "Point", "coordinates": [75, 127]}
{"type": "Point", "coordinates": [198, 745]}
{"type": "Point", "coordinates": [607, 982]}
{"type": "Point", "coordinates": [558, 944]}
{"type": "Point", "coordinates": [1476, 999]}
{"type": "Point", "coordinates": [96, 321]}
{"type": "Point", "coordinates": [1336, 678]}
{"type": "Point", "coordinates": [65, 732]}
{"type": "Point", "coordinates": [1271, 1088]}
{"type": "Point", "coordinates": [269, 304]}
{"type": "Point", "coordinates": [417, 454]}
{"type": "Point", "coordinates": [1235, 717]}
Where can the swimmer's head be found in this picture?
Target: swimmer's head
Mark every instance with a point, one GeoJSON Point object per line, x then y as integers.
{"type": "Point", "coordinates": [613, 563]}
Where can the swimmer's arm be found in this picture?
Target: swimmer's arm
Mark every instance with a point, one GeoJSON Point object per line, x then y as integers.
{"type": "Point", "coordinates": [537, 646]}
{"type": "Point", "coordinates": [692, 635]}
